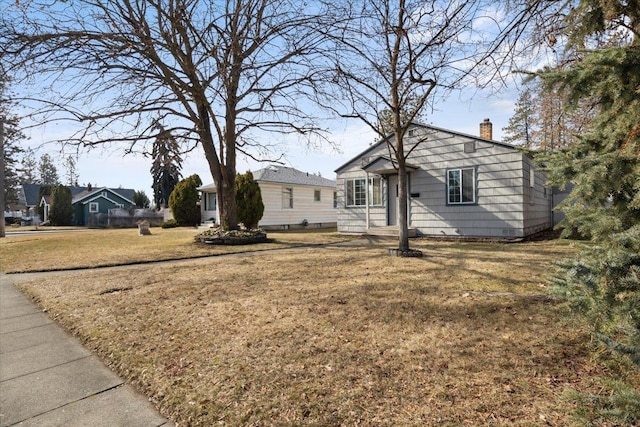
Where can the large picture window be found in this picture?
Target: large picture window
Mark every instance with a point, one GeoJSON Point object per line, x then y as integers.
{"type": "Point", "coordinates": [356, 190]}
{"type": "Point", "coordinates": [461, 186]}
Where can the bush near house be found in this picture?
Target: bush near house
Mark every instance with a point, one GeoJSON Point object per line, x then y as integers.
{"type": "Point", "coordinates": [183, 201]}
{"type": "Point", "coordinates": [61, 211]}
{"type": "Point", "coordinates": [249, 200]}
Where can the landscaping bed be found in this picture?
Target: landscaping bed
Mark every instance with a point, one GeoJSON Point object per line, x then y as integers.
{"type": "Point", "coordinates": [218, 236]}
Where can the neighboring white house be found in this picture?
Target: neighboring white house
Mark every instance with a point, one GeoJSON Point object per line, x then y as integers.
{"type": "Point", "coordinates": [291, 198]}
{"type": "Point", "coordinates": [459, 185]}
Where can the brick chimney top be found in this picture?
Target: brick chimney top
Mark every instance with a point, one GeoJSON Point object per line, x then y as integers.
{"type": "Point", "coordinates": [486, 129]}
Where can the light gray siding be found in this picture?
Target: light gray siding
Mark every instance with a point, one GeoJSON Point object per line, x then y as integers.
{"type": "Point", "coordinates": [305, 207]}
{"type": "Point", "coordinates": [538, 201]}
{"type": "Point", "coordinates": [502, 209]}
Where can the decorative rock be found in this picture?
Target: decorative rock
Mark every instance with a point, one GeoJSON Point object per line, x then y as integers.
{"type": "Point", "coordinates": [143, 228]}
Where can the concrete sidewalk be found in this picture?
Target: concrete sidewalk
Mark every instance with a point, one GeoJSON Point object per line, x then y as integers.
{"type": "Point", "coordinates": [47, 378]}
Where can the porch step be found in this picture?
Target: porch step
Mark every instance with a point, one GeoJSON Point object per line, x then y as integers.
{"type": "Point", "coordinates": [391, 230]}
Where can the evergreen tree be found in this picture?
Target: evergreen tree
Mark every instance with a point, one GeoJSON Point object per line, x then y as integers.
{"type": "Point", "coordinates": [543, 120]}
{"type": "Point", "coordinates": [61, 208]}
{"type": "Point", "coordinates": [183, 201]}
{"type": "Point", "coordinates": [604, 167]}
{"type": "Point", "coordinates": [249, 200]}
{"type": "Point", "coordinates": [141, 200]}
{"type": "Point", "coordinates": [521, 124]}
{"type": "Point", "coordinates": [48, 171]}
{"type": "Point", "coordinates": [29, 167]}
{"type": "Point", "coordinates": [166, 166]}
{"type": "Point", "coordinates": [71, 171]}
{"type": "Point", "coordinates": [10, 149]}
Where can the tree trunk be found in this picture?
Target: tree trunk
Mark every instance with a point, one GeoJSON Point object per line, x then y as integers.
{"type": "Point", "coordinates": [2, 183]}
{"type": "Point", "coordinates": [403, 217]}
{"type": "Point", "coordinates": [223, 175]}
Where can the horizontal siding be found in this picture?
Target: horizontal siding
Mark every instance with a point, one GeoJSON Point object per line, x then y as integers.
{"type": "Point", "coordinates": [501, 191]}
{"type": "Point", "coordinates": [537, 210]}
{"type": "Point", "coordinates": [304, 206]}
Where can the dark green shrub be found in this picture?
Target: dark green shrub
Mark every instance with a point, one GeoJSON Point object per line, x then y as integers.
{"type": "Point", "coordinates": [248, 200]}
{"type": "Point", "coordinates": [61, 210]}
{"type": "Point", "coordinates": [171, 223]}
{"type": "Point", "coordinates": [183, 201]}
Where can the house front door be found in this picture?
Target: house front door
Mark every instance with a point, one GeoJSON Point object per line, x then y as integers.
{"type": "Point", "coordinates": [392, 198]}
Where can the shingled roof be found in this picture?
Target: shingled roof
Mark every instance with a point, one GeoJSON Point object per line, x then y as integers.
{"type": "Point", "coordinates": [32, 191]}
{"type": "Point", "coordinates": [285, 175]}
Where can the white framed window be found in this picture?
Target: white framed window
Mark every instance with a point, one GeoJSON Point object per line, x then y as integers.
{"type": "Point", "coordinates": [376, 191]}
{"type": "Point", "coordinates": [356, 190]}
{"type": "Point", "coordinates": [461, 186]}
{"type": "Point", "coordinates": [94, 207]}
{"type": "Point", "coordinates": [287, 198]}
{"type": "Point", "coordinates": [316, 195]}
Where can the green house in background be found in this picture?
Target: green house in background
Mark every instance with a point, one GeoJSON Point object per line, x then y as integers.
{"type": "Point", "coordinates": [86, 201]}
{"type": "Point", "coordinates": [92, 203]}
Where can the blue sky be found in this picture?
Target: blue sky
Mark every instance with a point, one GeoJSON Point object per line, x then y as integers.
{"type": "Point", "coordinates": [109, 167]}
{"type": "Point", "coordinates": [462, 112]}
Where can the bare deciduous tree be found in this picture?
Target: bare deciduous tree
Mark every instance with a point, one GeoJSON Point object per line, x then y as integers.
{"type": "Point", "coordinates": [395, 55]}
{"type": "Point", "coordinates": [218, 73]}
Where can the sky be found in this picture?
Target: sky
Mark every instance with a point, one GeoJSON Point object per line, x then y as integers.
{"type": "Point", "coordinates": [108, 167]}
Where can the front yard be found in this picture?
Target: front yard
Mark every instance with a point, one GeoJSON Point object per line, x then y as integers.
{"type": "Point", "coordinates": [339, 335]}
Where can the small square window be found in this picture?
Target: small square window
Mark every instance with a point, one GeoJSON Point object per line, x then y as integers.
{"type": "Point", "coordinates": [94, 207]}
{"type": "Point", "coordinates": [316, 195]}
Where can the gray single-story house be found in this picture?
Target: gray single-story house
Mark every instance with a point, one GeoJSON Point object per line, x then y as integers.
{"type": "Point", "coordinates": [292, 199]}
{"type": "Point", "coordinates": [459, 186]}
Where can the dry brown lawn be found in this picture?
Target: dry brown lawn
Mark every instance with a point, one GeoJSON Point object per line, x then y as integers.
{"type": "Point", "coordinates": [338, 336]}
{"type": "Point", "coordinates": [98, 248]}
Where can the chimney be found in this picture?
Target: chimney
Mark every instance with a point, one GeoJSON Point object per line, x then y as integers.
{"type": "Point", "coordinates": [486, 129]}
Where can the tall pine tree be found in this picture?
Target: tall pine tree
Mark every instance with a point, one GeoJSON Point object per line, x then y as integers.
{"type": "Point", "coordinates": [521, 125]}
{"type": "Point", "coordinates": [543, 120]}
{"type": "Point", "coordinates": [48, 171]}
{"type": "Point", "coordinates": [604, 167]}
{"type": "Point", "coordinates": [11, 148]}
{"type": "Point", "coordinates": [166, 166]}
{"type": "Point", "coordinates": [29, 167]}
{"type": "Point", "coordinates": [71, 173]}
